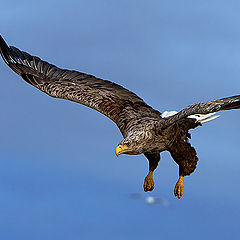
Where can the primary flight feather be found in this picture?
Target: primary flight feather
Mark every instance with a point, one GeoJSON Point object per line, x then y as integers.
{"type": "Point", "coordinates": [144, 129]}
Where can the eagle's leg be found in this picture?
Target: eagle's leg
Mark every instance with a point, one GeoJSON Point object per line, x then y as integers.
{"type": "Point", "coordinates": [178, 190]}
{"type": "Point", "coordinates": [153, 159]}
{"type": "Point", "coordinates": [186, 157]}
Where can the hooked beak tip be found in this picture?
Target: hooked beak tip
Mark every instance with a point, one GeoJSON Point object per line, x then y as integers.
{"type": "Point", "coordinates": [118, 150]}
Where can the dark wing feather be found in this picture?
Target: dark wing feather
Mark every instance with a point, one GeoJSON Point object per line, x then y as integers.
{"type": "Point", "coordinates": [228, 103]}
{"type": "Point", "coordinates": [114, 101]}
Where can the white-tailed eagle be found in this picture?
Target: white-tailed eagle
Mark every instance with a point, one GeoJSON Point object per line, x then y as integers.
{"type": "Point", "coordinates": [144, 129]}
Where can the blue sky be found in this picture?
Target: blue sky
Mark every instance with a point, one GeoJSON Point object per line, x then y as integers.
{"type": "Point", "coordinates": [59, 177]}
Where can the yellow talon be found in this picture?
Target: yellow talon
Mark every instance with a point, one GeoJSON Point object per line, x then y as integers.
{"type": "Point", "coordinates": [148, 182]}
{"type": "Point", "coordinates": [178, 191]}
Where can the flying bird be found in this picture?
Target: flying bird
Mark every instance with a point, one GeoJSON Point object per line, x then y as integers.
{"type": "Point", "coordinates": [144, 129]}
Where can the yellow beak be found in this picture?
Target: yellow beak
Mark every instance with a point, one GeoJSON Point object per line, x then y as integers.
{"type": "Point", "coordinates": [121, 149]}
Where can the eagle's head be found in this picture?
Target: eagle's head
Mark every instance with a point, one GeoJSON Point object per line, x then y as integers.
{"type": "Point", "coordinates": [134, 144]}
{"type": "Point", "coordinates": [125, 147]}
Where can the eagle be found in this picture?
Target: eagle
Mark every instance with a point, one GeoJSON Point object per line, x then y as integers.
{"type": "Point", "coordinates": [144, 129]}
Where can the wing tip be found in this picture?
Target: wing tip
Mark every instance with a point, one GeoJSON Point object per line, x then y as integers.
{"type": "Point", "coordinates": [4, 50]}
{"type": "Point", "coordinates": [234, 103]}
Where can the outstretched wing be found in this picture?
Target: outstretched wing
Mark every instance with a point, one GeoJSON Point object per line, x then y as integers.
{"type": "Point", "coordinates": [228, 103]}
{"type": "Point", "coordinates": [112, 100]}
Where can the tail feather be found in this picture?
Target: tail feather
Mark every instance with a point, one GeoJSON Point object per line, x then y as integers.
{"type": "Point", "coordinates": [201, 118]}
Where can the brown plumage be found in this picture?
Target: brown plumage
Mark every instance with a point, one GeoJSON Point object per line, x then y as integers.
{"type": "Point", "coordinates": [143, 128]}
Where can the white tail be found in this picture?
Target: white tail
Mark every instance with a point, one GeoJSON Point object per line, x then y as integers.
{"type": "Point", "coordinates": [202, 118]}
